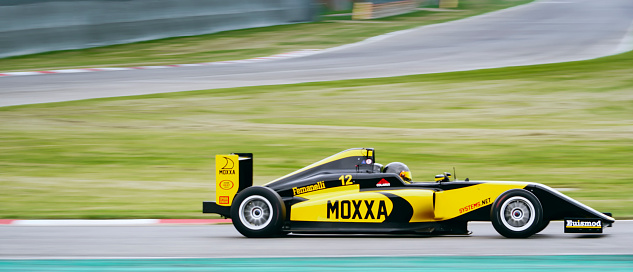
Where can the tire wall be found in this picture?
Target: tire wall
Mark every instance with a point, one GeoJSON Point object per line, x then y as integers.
{"type": "Point", "coordinates": [34, 26]}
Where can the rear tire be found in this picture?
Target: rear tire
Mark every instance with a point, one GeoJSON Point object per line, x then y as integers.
{"type": "Point", "coordinates": [258, 212]}
{"type": "Point", "coordinates": [517, 213]}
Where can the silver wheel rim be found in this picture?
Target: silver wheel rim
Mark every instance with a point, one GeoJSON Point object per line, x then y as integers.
{"type": "Point", "coordinates": [255, 212]}
{"type": "Point", "coordinates": [517, 213]}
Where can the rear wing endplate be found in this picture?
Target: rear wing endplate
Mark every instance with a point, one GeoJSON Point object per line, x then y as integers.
{"type": "Point", "coordinates": [233, 173]}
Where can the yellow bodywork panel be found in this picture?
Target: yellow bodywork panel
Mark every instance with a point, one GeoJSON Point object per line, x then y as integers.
{"type": "Point", "coordinates": [349, 204]}
{"type": "Point", "coordinates": [453, 203]}
{"type": "Point", "coordinates": [343, 204]}
{"type": "Point", "coordinates": [227, 178]}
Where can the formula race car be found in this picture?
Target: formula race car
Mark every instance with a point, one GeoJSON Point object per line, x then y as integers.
{"type": "Point", "coordinates": [350, 193]}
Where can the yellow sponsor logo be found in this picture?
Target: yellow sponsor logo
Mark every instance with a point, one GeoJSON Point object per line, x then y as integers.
{"type": "Point", "coordinates": [226, 184]}
{"type": "Point", "coordinates": [310, 188]}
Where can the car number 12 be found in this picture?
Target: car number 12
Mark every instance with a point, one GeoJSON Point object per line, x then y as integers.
{"type": "Point", "coordinates": [346, 180]}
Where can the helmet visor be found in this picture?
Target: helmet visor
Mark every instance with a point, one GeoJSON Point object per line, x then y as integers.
{"type": "Point", "coordinates": [406, 175]}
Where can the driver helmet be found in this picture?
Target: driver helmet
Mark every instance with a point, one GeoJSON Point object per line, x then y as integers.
{"type": "Point", "coordinates": [399, 169]}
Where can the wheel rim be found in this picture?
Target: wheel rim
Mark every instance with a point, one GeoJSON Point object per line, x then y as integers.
{"type": "Point", "coordinates": [255, 212]}
{"type": "Point", "coordinates": [517, 213]}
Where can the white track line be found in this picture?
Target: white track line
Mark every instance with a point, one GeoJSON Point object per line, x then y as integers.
{"type": "Point", "coordinates": [79, 222]}
{"type": "Point", "coordinates": [293, 54]}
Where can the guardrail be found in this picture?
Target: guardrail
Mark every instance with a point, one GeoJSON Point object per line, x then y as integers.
{"type": "Point", "coordinates": [34, 26]}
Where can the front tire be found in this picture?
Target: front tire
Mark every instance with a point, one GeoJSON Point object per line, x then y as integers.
{"type": "Point", "coordinates": [543, 225]}
{"type": "Point", "coordinates": [258, 212]}
{"type": "Point", "coordinates": [517, 214]}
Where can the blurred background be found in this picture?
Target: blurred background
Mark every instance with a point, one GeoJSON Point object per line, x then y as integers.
{"type": "Point", "coordinates": [566, 125]}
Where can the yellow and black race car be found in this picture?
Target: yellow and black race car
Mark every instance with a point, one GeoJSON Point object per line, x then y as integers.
{"type": "Point", "coordinates": [350, 193]}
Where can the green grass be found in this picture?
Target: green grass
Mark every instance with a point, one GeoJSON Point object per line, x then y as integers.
{"type": "Point", "coordinates": [246, 43]}
{"type": "Point", "coordinates": [566, 125]}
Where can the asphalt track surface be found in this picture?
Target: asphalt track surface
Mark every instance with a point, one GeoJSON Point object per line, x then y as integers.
{"type": "Point", "coordinates": [545, 31]}
{"type": "Point", "coordinates": [223, 241]}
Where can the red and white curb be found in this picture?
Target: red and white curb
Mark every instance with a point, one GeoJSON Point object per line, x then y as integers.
{"type": "Point", "coordinates": [111, 222]}
{"type": "Point", "coordinates": [293, 54]}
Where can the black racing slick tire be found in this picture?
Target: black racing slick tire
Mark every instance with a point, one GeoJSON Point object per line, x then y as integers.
{"type": "Point", "coordinates": [258, 212]}
{"type": "Point", "coordinates": [517, 213]}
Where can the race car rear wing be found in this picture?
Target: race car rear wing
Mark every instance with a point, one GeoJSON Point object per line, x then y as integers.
{"type": "Point", "coordinates": [233, 173]}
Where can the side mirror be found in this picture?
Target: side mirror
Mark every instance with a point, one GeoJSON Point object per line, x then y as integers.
{"type": "Point", "coordinates": [439, 178]}
{"type": "Point", "coordinates": [446, 177]}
